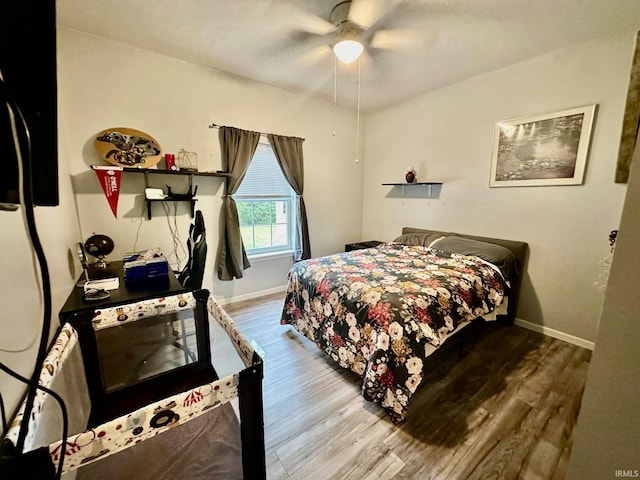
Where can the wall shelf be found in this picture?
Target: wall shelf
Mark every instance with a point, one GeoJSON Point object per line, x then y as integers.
{"type": "Point", "coordinates": [189, 197]}
{"type": "Point", "coordinates": [429, 185]}
{"type": "Point", "coordinates": [157, 171]}
{"type": "Point", "coordinates": [405, 184]}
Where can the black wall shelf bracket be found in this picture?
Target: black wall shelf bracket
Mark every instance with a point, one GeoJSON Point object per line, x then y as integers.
{"type": "Point", "coordinates": [173, 197]}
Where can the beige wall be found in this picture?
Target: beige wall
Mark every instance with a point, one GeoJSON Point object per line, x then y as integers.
{"type": "Point", "coordinates": [20, 289]}
{"type": "Point", "coordinates": [607, 435]}
{"type": "Point", "coordinates": [107, 84]}
{"type": "Point", "coordinates": [447, 135]}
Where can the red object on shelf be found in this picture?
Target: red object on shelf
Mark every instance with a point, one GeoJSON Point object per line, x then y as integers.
{"type": "Point", "coordinates": [170, 161]}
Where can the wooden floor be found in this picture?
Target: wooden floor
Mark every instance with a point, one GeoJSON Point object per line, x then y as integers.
{"type": "Point", "coordinates": [505, 410]}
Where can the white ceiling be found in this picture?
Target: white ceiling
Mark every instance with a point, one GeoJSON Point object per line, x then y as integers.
{"type": "Point", "coordinates": [427, 43]}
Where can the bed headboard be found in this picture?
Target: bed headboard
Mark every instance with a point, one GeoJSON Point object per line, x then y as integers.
{"type": "Point", "coordinates": [519, 249]}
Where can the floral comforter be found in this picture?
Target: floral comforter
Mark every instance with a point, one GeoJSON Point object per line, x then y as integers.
{"type": "Point", "coordinates": [374, 311]}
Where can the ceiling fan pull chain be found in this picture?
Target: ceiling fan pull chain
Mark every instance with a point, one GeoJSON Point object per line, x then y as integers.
{"type": "Point", "coordinates": [335, 92]}
{"type": "Point", "coordinates": [358, 117]}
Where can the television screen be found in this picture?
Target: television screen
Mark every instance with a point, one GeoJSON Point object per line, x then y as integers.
{"type": "Point", "coordinates": [28, 67]}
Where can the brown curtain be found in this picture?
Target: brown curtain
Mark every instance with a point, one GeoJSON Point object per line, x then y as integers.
{"type": "Point", "coordinates": [237, 148]}
{"type": "Point", "coordinates": [288, 151]}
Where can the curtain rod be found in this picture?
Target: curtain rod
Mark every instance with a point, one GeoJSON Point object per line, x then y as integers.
{"type": "Point", "coordinates": [215, 125]}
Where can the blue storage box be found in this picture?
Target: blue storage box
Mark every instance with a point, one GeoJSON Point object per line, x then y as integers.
{"type": "Point", "coordinates": [145, 265]}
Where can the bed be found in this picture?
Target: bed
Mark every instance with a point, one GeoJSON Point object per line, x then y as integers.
{"type": "Point", "coordinates": [382, 311]}
{"type": "Point", "coordinates": [211, 427]}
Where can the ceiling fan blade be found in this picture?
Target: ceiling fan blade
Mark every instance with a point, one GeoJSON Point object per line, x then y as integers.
{"type": "Point", "coordinates": [396, 39]}
{"type": "Point", "coordinates": [296, 48]}
{"type": "Point", "coordinates": [367, 13]}
{"type": "Point", "coordinates": [315, 55]}
{"type": "Point", "coordinates": [311, 23]}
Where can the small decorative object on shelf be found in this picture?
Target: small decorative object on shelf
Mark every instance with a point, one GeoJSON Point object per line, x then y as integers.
{"type": "Point", "coordinates": [410, 177]}
{"type": "Point", "coordinates": [170, 161]}
{"type": "Point", "coordinates": [187, 161]}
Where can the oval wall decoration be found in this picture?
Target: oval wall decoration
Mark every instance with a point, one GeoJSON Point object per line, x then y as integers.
{"type": "Point", "coordinates": [127, 147]}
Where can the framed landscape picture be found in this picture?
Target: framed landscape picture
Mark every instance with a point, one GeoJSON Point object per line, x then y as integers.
{"type": "Point", "coordinates": [546, 149]}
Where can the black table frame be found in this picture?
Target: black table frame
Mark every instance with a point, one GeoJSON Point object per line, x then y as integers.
{"type": "Point", "coordinates": [125, 293]}
{"type": "Point", "coordinates": [350, 247]}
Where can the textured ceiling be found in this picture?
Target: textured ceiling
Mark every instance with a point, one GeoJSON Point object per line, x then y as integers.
{"type": "Point", "coordinates": [413, 46]}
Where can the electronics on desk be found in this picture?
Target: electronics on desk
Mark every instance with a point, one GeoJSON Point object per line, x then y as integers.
{"type": "Point", "coordinates": [93, 295]}
{"type": "Point", "coordinates": [145, 265]}
{"type": "Point", "coordinates": [97, 289]}
{"type": "Point", "coordinates": [102, 284]}
{"type": "Point", "coordinates": [94, 290]}
{"type": "Point", "coordinates": [99, 246]}
{"type": "Point", "coordinates": [154, 194]}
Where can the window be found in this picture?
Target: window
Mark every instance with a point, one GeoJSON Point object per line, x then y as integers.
{"type": "Point", "coordinates": [265, 205]}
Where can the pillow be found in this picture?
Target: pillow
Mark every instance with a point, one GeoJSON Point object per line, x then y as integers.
{"type": "Point", "coordinates": [435, 242]}
{"type": "Point", "coordinates": [500, 256]}
{"type": "Point", "coordinates": [416, 239]}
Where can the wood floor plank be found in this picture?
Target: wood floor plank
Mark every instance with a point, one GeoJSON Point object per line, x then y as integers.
{"type": "Point", "coordinates": [488, 451]}
{"type": "Point", "coordinates": [553, 361]}
{"type": "Point", "coordinates": [378, 462]}
{"type": "Point", "coordinates": [506, 409]}
{"type": "Point", "coordinates": [449, 446]}
{"type": "Point", "coordinates": [274, 467]}
{"type": "Point", "coordinates": [349, 422]}
{"type": "Point", "coordinates": [283, 420]}
{"type": "Point", "coordinates": [560, 471]}
{"type": "Point", "coordinates": [332, 459]}
{"type": "Point", "coordinates": [542, 458]}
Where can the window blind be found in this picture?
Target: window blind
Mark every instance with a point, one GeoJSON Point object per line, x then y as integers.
{"type": "Point", "coordinates": [264, 176]}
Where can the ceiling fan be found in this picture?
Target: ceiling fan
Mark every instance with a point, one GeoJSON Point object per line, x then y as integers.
{"type": "Point", "coordinates": [352, 28]}
{"type": "Point", "coordinates": [355, 26]}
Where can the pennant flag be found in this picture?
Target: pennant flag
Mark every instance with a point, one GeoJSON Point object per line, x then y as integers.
{"type": "Point", "coordinates": [109, 178]}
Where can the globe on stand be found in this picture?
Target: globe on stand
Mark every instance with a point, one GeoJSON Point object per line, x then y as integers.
{"type": "Point", "coordinates": [99, 246]}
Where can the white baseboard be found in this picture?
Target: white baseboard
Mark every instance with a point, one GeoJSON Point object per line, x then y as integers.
{"type": "Point", "coordinates": [252, 295]}
{"type": "Point", "coordinates": [565, 337]}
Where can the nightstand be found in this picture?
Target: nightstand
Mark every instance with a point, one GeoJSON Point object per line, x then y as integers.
{"type": "Point", "coordinates": [360, 245]}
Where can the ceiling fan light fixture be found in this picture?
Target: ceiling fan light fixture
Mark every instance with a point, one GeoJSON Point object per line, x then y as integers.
{"type": "Point", "coordinates": [348, 50]}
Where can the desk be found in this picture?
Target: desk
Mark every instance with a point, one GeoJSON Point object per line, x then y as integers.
{"type": "Point", "coordinates": [123, 294]}
{"type": "Point", "coordinates": [138, 362]}
{"type": "Point", "coordinates": [107, 404]}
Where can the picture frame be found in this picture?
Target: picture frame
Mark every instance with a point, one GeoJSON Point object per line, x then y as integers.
{"type": "Point", "coordinates": [542, 150]}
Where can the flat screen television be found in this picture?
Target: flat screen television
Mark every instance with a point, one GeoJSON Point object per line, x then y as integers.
{"type": "Point", "coordinates": [28, 66]}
